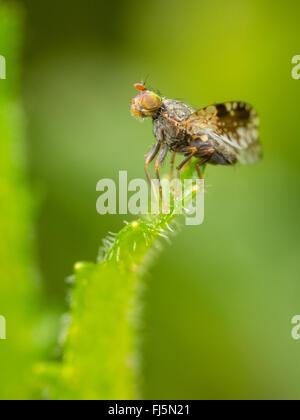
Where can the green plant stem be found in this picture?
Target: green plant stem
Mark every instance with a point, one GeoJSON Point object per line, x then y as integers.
{"type": "Point", "coordinates": [101, 340]}
{"type": "Point", "coordinates": [19, 290]}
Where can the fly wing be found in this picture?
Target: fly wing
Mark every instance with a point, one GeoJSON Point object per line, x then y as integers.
{"type": "Point", "coordinates": [235, 124]}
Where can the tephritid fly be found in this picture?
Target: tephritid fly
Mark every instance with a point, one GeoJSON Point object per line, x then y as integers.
{"type": "Point", "coordinates": [220, 134]}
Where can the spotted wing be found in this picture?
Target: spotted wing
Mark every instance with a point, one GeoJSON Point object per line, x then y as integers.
{"type": "Point", "coordinates": [234, 124]}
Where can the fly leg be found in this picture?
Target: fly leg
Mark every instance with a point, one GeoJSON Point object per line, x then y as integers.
{"type": "Point", "coordinates": [206, 156]}
{"type": "Point", "coordinates": [162, 156]}
{"type": "Point", "coordinates": [172, 170]}
{"type": "Point", "coordinates": [149, 159]}
{"type": "Point", "coordinates": [193, 152]}
{"type": "Point", "coordinates": [203, 151]}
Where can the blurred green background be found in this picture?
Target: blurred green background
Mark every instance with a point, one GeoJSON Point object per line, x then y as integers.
{"type": "Point", "coordinates": [220, 299]}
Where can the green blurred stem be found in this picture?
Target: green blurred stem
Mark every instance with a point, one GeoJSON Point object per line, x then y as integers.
{"type": "Point", "coordinates": [101, 348]}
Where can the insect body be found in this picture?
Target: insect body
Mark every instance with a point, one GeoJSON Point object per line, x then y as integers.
{"type": "Point", "coordinates": [220, 134]}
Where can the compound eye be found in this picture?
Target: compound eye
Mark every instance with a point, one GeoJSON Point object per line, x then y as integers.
{"type": "Point", "coordinates": [150, 101]}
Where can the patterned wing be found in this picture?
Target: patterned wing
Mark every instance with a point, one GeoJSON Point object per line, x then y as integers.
{"type": "Point", "coordinates": [234, 124]}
